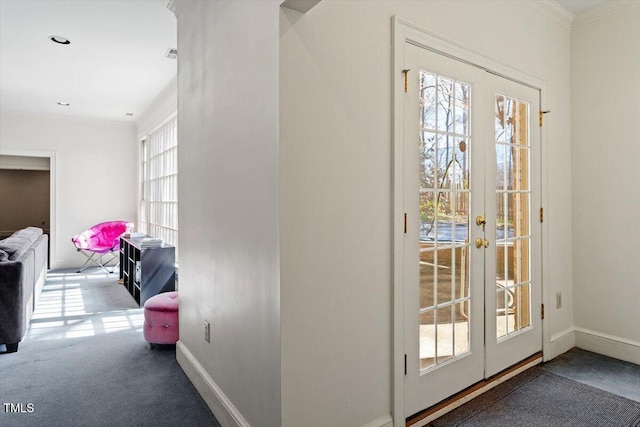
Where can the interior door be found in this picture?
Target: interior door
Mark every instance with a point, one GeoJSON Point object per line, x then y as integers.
{"type": "Point", "coordinates": [469, 243]}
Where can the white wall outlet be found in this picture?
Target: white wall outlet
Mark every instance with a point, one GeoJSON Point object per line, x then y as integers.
{"type": "Point", "coordinates": [559, 300]}
{"type": "Point", "coordinates": [207, 331]}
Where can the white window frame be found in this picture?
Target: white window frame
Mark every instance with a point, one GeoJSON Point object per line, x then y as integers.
{"type": "Point", "coordinates": [158, 179]}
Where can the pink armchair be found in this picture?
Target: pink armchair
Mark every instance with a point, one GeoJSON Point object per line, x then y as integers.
{"type": "Point", "coordinates": [100, 241]}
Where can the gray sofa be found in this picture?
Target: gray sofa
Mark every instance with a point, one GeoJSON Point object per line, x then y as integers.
{"type": "Point", "coordinates": [23, 271]}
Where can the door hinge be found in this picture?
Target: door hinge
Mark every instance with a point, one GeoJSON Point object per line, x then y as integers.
{"type": "Point", "coordinates": [405, 364]}
{"type": "Point", "coordinates": [405, 223]}
{"type": "Point", "coordinates": [541, 214]}
{"type": "Point", "coordinates": [542, 113]}
{"type": "Point", "coordinates": [406, 84]}
{"type": "Point", "coordinates": [542, 311]}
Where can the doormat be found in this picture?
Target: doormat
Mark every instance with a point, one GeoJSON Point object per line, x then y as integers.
{"type": "Point", "coordinates": [539, 398]}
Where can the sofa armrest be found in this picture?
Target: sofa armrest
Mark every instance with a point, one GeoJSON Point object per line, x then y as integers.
{"type": "Point", "coordinates": [12, 319]}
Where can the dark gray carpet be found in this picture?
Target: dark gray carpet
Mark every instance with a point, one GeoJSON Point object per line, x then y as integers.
{"type": "Point", "coordinates": [84, 362]}
{"type": "Point", "coordinates": [539, 398]}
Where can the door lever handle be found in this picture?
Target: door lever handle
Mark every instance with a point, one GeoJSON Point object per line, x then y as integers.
{"type": "Point", "coordinates": [480, 243]}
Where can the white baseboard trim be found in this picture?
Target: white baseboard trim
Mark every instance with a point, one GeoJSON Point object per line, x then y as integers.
{"type": "Point", "coordinates": [608, 345]}
{"type": "Point", "coordinates": [560, 343]}
{"type": "Point", "coordinates": [385, 421]}
{"type": "Point", "coordinates": [222, 408]}
{"type": "Point", "coordinates": [59, 264]}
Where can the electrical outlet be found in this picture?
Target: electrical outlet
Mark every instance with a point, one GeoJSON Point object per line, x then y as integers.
{"type": "Point", "coordinates": [207, 331]}
{"type": "Point", "coordinates": [559, 300]}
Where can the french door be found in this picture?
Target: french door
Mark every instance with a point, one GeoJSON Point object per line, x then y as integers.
{"type": "Point", "coordinates": [471, 244]}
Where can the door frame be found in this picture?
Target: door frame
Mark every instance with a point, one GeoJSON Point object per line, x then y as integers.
{"type": "Point", "coordinates": [403, 32]}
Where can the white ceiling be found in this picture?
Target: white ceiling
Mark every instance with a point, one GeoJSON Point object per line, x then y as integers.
{"type": "Point", "coordinates": [114, 65]}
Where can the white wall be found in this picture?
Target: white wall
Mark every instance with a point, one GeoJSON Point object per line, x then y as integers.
{"type": "Point", "coordinates": [228, 205]}
{"type": "Point", "coordinates": [605, 72]}
{"type": "Point", "coordinates": [336, 199]}
{"type": "Point", "coordinates": [94, 171]}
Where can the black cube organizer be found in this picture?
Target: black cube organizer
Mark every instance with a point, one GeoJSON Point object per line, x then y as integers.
{"type": "Point", "coordinates": [146, 272]}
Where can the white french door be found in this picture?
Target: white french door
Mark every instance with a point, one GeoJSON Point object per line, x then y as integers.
{"type": "Point", "coordinates": [471, 247]}
{"type": "Point", "coordinates": [513, 268]}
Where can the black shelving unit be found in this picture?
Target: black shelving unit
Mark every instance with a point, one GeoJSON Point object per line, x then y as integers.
{"type": "Point", "coordinates": [146, 272]}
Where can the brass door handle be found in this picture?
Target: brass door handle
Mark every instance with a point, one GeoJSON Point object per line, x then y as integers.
{"type": "Point", "coordinates": [480, 243]}
{"type": "Point", "coordinates": [480, 220]}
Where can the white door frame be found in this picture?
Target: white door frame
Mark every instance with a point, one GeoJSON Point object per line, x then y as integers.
{"type": "Point", "coordinates": [404, 32]}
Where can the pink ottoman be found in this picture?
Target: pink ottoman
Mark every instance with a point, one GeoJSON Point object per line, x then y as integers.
{"type": "Point", "coordinates": [161, 319]}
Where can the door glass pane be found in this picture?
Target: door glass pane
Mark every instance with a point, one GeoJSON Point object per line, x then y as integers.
{"type": "Point", "coordinates": [427, 339]}
{"type": "Point", "coordinates": [444, 105]}
{"type": "Point", "coordinates": [461, 328]}
{"type": "Point", "coordinates": [460, 268]}
{"type": "Point", "coordinates": [462, 108]}
{"type": "Point", "coordinates": [513, 194]}
{"type": "Point", "coordinates": [444, 334]}
{"type": "Point", "coordinates": [427, 101]}
{"type": "Point", "coordinates": [428, 276]}
{"type": "Point", "coordinates": [444, 196]}
{"type": "Point", "coordinates": [500, 135]}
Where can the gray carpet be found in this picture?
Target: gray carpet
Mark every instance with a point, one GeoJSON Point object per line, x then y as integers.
{"type": "Point", "coordinates": [84, 362]}
{"type": "Point", "coordinates": [540, 398]}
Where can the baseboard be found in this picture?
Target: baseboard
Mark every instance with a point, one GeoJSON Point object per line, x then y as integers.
{"type": "Point", "coordinates": [608, 345]}
{"type": "Point", "coordinates": [222, 408]}
{"type": "Point", "coordinates": [59, 264]}
{"type": "Point", "coordinates": [560, 343]}
{"type": "Point", "coordinates": [385, 421]}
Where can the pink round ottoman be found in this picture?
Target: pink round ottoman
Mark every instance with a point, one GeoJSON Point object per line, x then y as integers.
{"type": "Point", "coordinates": [161, 319]}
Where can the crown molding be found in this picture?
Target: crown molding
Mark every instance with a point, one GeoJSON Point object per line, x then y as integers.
{"type": "Point", "coordinates": [302, 6]}
{"type": "Point", "coordinates": [554, 11]}
{"type": "Point", "coordinates": [605, 12]}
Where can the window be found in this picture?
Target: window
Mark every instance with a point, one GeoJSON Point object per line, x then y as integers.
{"type": "Point", "coordinates": [159, 183]}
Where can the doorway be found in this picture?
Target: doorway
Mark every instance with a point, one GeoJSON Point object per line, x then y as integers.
{"type": "Point", "coordinates": [467, 189]}
{"type": "Point", "coordinates": [28, 185]}
{"type": "Point", "coordinates": [24, 187]}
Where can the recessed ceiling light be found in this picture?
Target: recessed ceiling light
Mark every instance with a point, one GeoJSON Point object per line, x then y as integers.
{"type": "Point", "coordinates": [59, 40]}
{"type": "Point", "coordinates": [64, 104]}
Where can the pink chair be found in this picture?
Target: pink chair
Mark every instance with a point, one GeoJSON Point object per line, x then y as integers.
{"type": "Point", "coordinates": [100, 241]}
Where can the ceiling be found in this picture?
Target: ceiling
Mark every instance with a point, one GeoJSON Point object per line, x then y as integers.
{"type": "Point", "coordinates": [114, 65]}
